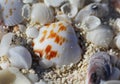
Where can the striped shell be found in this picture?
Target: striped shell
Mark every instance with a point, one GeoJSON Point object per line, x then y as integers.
{"type": "Point", "coordinates": [12, 10]}
{"type": "Point", "coordinates": [57, 43]}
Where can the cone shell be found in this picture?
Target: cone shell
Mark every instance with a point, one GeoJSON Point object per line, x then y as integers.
{"type": "Point", "coordinates": [57, 43]}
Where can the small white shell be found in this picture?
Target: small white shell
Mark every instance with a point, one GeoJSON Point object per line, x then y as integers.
{"type": "Point", "coordinates": [57, 43]}
{"type": "Point", "coordinates": [101, 36]}
{"type": "Point", "coordinates": [69, 10]}
{"type": "Point", "coordinates": [41, 14]}
{"type": "Point", "coordinates": [117, 41]}
{"type": "Point", "coordinates": [77, 3]}
{"type": "Point", "coordinates": [20, 57]}
{"type": "Point", "coordinates": [13, 76]}
{"type": "Point", "coordinates": [91, 23]}
{"type": "Point", "coordinates": [5, 43]}
{"type": "Point", "coordinates": [54, 3]}
{"type": "Point", "coordinates": [95, 9]}
{"type": "Point", "coordinates": [26, 11]}
{"type": "Point", "coordinates": [32, 32]}
{"type": "Point", "coordinates": [12, 12]}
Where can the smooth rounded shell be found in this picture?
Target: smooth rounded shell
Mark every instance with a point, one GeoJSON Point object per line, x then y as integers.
{"type": "Point", "coordinates": [102, 36]}
{"type": "Point", "coordinates": [57, 43]}
{"type": "Point", "coordinates": [20, 57]}
{"type": "Point", "coordinates": [41, 14]}
{"type": "Point", "coordinates": [12, 13]}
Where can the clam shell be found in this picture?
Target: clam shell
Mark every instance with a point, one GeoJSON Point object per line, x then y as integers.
{"type": "Point", "coordinates": [101, 36]}
{"type": "Point", "coordinates": [54, 3]}
{"type": "Point", "coordinates": [12, 12]}
{"type": "Point", "coordinates": [95, 9]}
{"type": "Point", "coordinates": [41, 14]}
{"type": "Point", "coordinates": [57, 43]}
{"type": "Point", "coordinates": [69, 10]}
{"type": "Point", "coordinates": [20, 57]}
{"type": "Point", "coordinates": [12, 75]}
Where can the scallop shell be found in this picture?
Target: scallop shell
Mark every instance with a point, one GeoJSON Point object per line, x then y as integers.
{"type": "Point", "coordinates": [95, 9]}
{"type": "Point", "coordinates": [101, 36]}
{"type": "Point", "coordinates": [54, 3]}
{"type": "Point", "coordinates": [20, 57]}
{"type": "Point", "coordinates": [41, 14]}
{"type": "Point", "coordinates": [12, 12]}
{"type": "Point", "coordinates": [69, 10]}
{"type": "Point", "coordinates": [13, 76]}
{"type": "Point", "coordinates": [57, 43]}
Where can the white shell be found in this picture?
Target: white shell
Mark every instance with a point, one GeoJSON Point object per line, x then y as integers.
{"type": "Point", "coordinates": [20, 57]}
{"type": "Point", "coordinates": [95, 9]}
{"type": "Point", "coordinates": [102, 36]}
{"type": "Point", "coordinates": [69, 10]}
{"type": "Point", "coordinates": [111, 82]}
{"type": "Point", "coordinates": [26, 11]}
{"type": "Point", "coordinates": [13, 76]}
{"type": "Point", "coordinates": [116, 25]}
{"type": "Point", "coordinates": [57, 43]}
{"type": "Point", "coordinates": [117, 41]}
{"type": "Point", "coordinates": [32, 77]}
{"type": "Point", "coordinates": [5, 43]}
{"type": "Point", "coordinates": [41, 14]}
{"type": "Point", "coordinates": [77, 3]}
{"type": "Point", "coordinates": [32, 32]}
{"type": "Point", "coordinates": [54, 3]}
{"type": "Point", "coordinates": [91, 23]}
{"type": "Point", "coordinates": [12, 12]}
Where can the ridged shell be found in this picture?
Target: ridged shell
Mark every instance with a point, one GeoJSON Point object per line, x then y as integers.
{"type": "Point", "coordinates": [101, 36]}
{"type": "Point", "coordinates": [41, 14]}
{"type": "Point", "coordinates": [12, 13]}
{"type": "Point", "coordinates": [20, 57]}
{"type": "Point", "coordinates": [57, 43]}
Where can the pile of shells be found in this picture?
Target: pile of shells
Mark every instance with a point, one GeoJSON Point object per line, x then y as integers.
{"type": "Point", "coordinates": [64, 37]}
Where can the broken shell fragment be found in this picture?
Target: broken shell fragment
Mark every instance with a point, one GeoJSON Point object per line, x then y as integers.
{"type": "Point", "coordinates": [32, 32]}
{"type": "Point", "coordinates": [95, 9]}
{"type": "Point", "coordinates": [12, 13]}
{"type": "Point", "coordinates": [12, 75]}
{"type": "Point", "coordinates": [20, 57]}
{"type": "Point", "coordinates": [58, 44]}
{"type": "Point", "coordinates": [54, 3]}
{"type": "Point", "coordinates": [41, 14]}
{"type": "Point", "coordinates": [101, 36]}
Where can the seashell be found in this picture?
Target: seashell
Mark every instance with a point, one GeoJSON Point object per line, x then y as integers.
{"type": "Point", "coordinates": [54, 3]}
{"type": "Point", "coordinates": [117, 41]}
{"type": "Point", "coordinates": [58, 44]}
{"type": "Point", "coordinates": [69, 10]}
{"type": "Point", "coordinates": [91, 23]}
{"type": "Point", "coordinates": [32, 77]}
{"type": "Point", "coordinates": [95, 9]}
{"type": "Point", "coordinates": [5, 43]}
{"type": "Point", "coordinates": [2, 32]}
{"type": "Point", "coordinates": [63, 17]}
{"type": "Point", "coordinates": [116, 25]}
{"type": "Point", "coordinates": [12, 12]}
{"type": "Point", "coordinates": [41, 14]}
{"type": "Point", "coordinates": [22, 28]}
{"type": "Point", "coordinates": [116, 5]}
{"type": "Point", "coordinates": [20, 57]}
{"type": "Point", "coordinates": [101, 36]}
{"type": "Point", "coordinates": [99, 68]}
{"type": "Point", "coordinates": [32, 32]}
{"type": "Point", "coordinates": [13, 76]}
{"type": "Point", "coordinates": [77, 3]}
{"type": "Point", "coordinates": [26, 11]}
{"type": "Point", "coordinates": [111, 82]}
